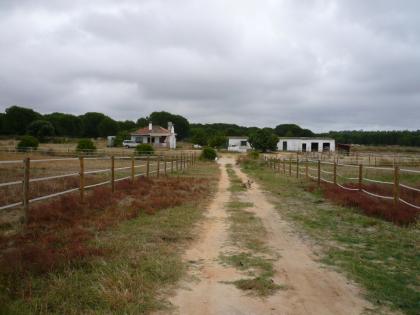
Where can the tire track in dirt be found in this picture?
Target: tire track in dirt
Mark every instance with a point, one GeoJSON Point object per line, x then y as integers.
{"type": "Point", "coordinates": [311, 289]}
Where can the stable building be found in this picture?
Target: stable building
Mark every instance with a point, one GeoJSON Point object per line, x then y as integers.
{"type": "Point", "coordinates": [238, 144]}
{"type": "Point", "coordinates": [306, 144]}
{"type": "Point", "coordinates": [157, 136]}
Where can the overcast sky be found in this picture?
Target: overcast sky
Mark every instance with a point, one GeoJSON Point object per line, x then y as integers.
{"type": "Point", "coordinates": [325, 65]}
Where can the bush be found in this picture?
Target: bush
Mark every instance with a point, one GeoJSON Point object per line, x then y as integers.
{"type": "Point", "coordinates": [254, 155]}
{"type": "Point", "coordinates": [85, 145]}
{"type": "Point", "coordinates": [27, 142]}
{"type": "Point", "coordinates": [208, 154]}
{"type": "Point", "coordinates": [41, 129]}
{"type": "Point", "coordinates": [143, 149]}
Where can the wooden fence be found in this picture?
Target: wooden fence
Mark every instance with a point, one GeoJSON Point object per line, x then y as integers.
{"type": "Point", "coordinates": [157, 164]}
{"type": "Point", "coordinates": [335, 173]}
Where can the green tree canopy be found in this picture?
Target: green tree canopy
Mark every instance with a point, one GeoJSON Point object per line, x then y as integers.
{"type": "Point", "coordinates": [126, 125]}
{"type": "Point", "coordinates": [65, 124]}
{"type": "Point", "coordinates": [107, 127]}
{"type": "Point", "coordinates": [198, 136]}
{"type": "Point", "coordinates": [142, 122]}
{"type": "Point", "coordinates": [90, 123]}
{"type": "Point", "coordinates": [41, 129]}
{"type": "Point", "coordinates": [17, 119]}
{"type": "Point", "coordinates": [182, 126]}
{"type": "Point", "coordinates": [217, 141]}
{"type": "Point", "coordinates": [263, 140]}
{"type": "Point", "coordinates": [292, 130]}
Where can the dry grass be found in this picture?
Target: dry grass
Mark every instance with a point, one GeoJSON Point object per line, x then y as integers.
{"type": "Point", "coordinates": [58, 233]}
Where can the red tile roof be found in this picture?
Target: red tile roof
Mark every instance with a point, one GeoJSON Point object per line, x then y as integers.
{"type": "Point", "coordinates": [155, 129]}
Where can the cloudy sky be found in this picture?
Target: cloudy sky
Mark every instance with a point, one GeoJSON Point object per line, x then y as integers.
{"type": "Point", "coordinates": [326, 65]}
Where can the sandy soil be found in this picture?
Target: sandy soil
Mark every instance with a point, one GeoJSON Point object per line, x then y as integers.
{"type": "Point", "coordinates": [311, 288]}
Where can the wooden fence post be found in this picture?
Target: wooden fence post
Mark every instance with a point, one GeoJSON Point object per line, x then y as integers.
{"type": "Point", "coordinates": [335, 173]}
{"type": "Point", "coordinates": [26, 175]}
{"type": "Point", "coordinates": [290, 166]}
{"type": "Point", "coordinates": [148, 165]}
{"type": "Point", "coordinates": [284, 166]}
{"type": "Point", "coordinates": [306, 169]}
{"type": "Point", "coordinates": [172, 163]}
{"type": "Point", "coordinates": [132, 169]}
{"type": "Point", "coordinates": [319, 173]}
{"type": "Point", "coordinates": [176, 162]}
{"type": "Point", "coordinates": [112, 173]}
{"type": "Point", "coordinates": [396, 185]}
{"type": "Point", "coordinates": [158, 166]}
{"type": "Point", "coordinates": [360, 176]}
{"type": "Point", "coordinates": [297, 166]}
{"type": "Point", "coordinates": [82, 179]}
{"type": "Point", "coordinates": [164, 163]}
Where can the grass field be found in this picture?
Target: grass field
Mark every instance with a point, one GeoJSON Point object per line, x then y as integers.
{"type": "Point", "coordinates": [117, 256]}
{"type": "Point", "coordinates": [384, 258]}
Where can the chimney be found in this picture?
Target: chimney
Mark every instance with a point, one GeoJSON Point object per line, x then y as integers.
{"type": "Point", "coordinates": [169, 126]}
{"type": "Point", "coordinates": [150, 126]}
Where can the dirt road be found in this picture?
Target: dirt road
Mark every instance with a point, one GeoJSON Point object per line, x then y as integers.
{"type": "Point", "coordinates": [311, 288]}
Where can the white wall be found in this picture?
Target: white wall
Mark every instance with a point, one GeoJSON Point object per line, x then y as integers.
{"type": "Point", "coordinates": [234, 145]}
{"type": "Point", "coordinates": [297, 144]}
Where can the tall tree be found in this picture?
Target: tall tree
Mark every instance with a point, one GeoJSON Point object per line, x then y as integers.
{"type": "Point", "coordinates": [107, 127]}
{"type": "Point", "coordinates": [263, 140]}
{"type": "Point", "coordinates": [90, 123]}
{"type": "Point", "coordinates": [142, 122]}
{"type": "Point", "coordinates": [17, 119]}
{"type": "Point", "coordinates": [41, 129]}
{"type": "Point", "coordinates": [182, 126]}
{"type": "Point", "coordinates": [292, 130]}
{"type": "Point", "coordinates": [65, 124]}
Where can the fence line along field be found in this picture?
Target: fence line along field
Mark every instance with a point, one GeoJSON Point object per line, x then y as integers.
{"type": "Point", "coordinates": [394, 191]}
{"type": "Point", "coordinates": [23, 182]}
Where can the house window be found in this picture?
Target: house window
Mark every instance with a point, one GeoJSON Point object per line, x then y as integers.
{"type": "Point", "coordinates": [243, 143]}
{"type": "Point", "coordinates": [314, 146]}
{"type": "Point", "coordinates": [303, 147]}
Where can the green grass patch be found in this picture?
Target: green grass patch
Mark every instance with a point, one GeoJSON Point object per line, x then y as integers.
{"type": "Point", "coordinates": [259, 268]}
{"type": "Point", "coordinates": [236, 184]}
{"type": "Point", "coordinates": [382, 257]}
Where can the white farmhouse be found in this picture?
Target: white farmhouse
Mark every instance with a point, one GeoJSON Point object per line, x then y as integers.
{"type": "Point", "coordinates": [238, 144]}
{"type": "Point", "coordinates": [306, 144]}
{"type": "Point", "coordinates": [157, 136]}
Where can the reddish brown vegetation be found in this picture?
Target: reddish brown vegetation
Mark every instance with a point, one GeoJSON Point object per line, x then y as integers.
{"type": "Point", "coordinates": [58, 232]}
{"type": "Point", "coordinates": [373, 206]}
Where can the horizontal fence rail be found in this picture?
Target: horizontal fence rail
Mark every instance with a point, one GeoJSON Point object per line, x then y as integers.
{"type": "Point", "coordinates": [161, 164]}
{"type": "Point", "coordinates": [315, 169]}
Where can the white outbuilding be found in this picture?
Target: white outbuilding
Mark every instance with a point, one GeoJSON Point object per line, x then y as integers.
{"type": "Point", "coordinates": [306, 144]}
{"type": "Point", "coordinates": [238, 144]}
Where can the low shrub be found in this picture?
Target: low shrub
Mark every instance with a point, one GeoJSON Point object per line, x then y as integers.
{"type": "Point", "coordinates": [208, 154]}
{"type": "Point", "coordinates": [27, 143]}
{"type": "Point", "coordinates": [144, 149]}
{"type": "Point", "coordinates": [85, 145]}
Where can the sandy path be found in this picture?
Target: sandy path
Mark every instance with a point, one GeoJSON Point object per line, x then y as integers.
{"type": "Point", "coordinates": [311, 288]}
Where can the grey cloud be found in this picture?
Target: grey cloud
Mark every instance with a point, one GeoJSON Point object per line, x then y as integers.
{"type": "Point", "coordinates": [324, 64]}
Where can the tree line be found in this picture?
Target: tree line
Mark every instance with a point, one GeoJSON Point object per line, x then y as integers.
{"type": "Point", "coordinates": [16, 121]}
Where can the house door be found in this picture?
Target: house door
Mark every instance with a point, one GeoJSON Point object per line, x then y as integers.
{"type": "Point", "coordinates": [326, 147]}
{"type": "Point", "coordinates": [303, 147]}
{"type": "Point", "coordinates": [314, 146]}
{"type": "Point", "coordinates": [284, 145]}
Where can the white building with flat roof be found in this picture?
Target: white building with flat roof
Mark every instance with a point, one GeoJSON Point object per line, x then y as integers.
{"type": "Point", "coordinates": [238, 144]}
{"type": "Point", "coordinates": [306, 144]}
